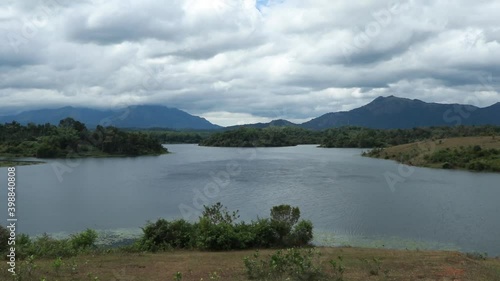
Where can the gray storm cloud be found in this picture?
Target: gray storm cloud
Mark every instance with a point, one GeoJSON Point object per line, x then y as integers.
{"type": "Point", "coordinates": [242, 61]}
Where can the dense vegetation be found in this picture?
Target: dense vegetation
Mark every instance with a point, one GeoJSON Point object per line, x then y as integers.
{"type": "Point", "coordinates": [348, 137]}
{"type": "Point", "coordinates": [172, 136]}
{"type": "Point", "coordinates": [217, 229]}
{"type": "Point", "coordinates": [46, 246]}
{"type": "Point", "coordinates": [370, 138]}
{"type": "Point", "coordinates": [267, 137]}
{"type": "Point", "coordinates": [471, 153]}
{"type": "Point", "coordinates": [72, 139]}
{"type": "Point", "coordinates": [471, 157]}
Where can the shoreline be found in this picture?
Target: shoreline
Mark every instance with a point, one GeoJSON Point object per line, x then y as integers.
{"type": "Point", "coordinates": [9, 160]}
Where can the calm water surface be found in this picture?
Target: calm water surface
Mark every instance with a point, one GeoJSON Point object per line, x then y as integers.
{"type": "Point", "coordinates": [349, 198]}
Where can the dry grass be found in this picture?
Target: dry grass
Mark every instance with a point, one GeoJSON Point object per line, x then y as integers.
{"type": "Point", "coordinates": [194, 265]}
{"type": "Point", "coordinates": [418, 150]}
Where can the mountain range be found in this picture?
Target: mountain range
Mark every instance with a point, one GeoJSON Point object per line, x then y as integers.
{"type": "Point", "coordinates": [400, 113]}
{"type": "Point", "coordinates": [140, 116]}
{"type": "Point", "coordinates": [382, 113]}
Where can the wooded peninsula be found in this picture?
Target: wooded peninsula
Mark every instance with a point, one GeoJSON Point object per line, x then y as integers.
{"type": "Point", "coordinates": [71, 138]}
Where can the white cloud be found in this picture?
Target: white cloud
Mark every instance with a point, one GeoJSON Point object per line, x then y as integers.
{"type": "Point", "coordinates": [243, 61]}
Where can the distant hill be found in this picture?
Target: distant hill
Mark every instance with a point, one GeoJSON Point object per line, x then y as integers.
{"type": "Point", "coordinates": [400, 113]}
{"type": "Point", "coordinates": [397, 113]}
{"type": "Point", "coordinates": [274, 123]}
{"type": "Point", "coordinates": [141, 116]}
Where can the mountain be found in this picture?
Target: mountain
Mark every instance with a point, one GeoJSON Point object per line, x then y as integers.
{"type": "Point", "coordinates": [394, 112]}
{"type": "Point", "coordinates": [140, 116]}
{"type": "Point", "coordinates": [53, 116]}
{"type": "Point", "coordinates": [274, 123]}
{"type": "Point", "coordinates": [382, 113]}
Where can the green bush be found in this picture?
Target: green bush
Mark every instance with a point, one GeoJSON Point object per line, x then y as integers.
{"type": "Point", "coordinates": [217, 230]}
{"type": "Point", "coordinates": [211, 236]}
{"type": "Point", "coordinates": [23, 246]}
{"type": "Point", "coordinates": [46, 246]}
{"type": "Point", "coordinates": [84, 240]}
{"type": "Point", "coordinates": [302, 233]}
{"type": "Point", "coordinates": [46, 150]}
{"type": "Point", "coordinates": [265, 235]}
{"type": "Point", "coordinates": [245, 236]}
{"type": "Point", "coordinates": [164, 235]}
{"type": "Point", "coordinates": [290, 264]}
{"type": "Point", "coordinates": [283, 218]}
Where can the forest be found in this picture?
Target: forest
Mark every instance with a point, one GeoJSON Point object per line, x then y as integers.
{"type": "Point", "coordinates": [266, 137]}
{"type": "Point", "coordinates": [72, 138]}
{"type": "Point", "coordinates": [344, 137]}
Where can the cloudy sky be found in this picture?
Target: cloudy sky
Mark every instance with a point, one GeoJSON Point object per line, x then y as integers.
{"type": "Point", "coordinates": [241, 61]}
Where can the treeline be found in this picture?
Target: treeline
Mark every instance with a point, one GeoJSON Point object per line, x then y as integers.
{"type": "Point", "coordinates": [344, 137]}
{"type": "Point", "coordinates": [175, 137]}
{"type": "Point", "coordinates": [267, 137]}
{"type": "Point", "coordinates": [71, 138]}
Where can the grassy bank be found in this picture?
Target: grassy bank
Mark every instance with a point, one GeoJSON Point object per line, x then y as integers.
{"type": "Point", "coordinates": [360, 264]}
{"type": "Point", "coordinates": [467, 153]}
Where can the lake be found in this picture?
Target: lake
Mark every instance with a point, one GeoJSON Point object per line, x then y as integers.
{"type": "Point", "coordinates": [351, 200]}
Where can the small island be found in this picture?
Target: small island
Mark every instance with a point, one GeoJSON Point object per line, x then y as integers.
{"type": "Point", "coordinates": [464, 153]}
{"type": "Point", "coordinates": [71, 139]}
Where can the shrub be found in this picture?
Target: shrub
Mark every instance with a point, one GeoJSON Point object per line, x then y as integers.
{"type": "Point", "coordinates": [46, 150]}
{"type": "Point", "coordinates": [23, 246]}
{"type": "Point", "coordinates": [245, 236]}
{"type": "Point", "coordinates": [217, 213]}
{"type": "Point", "coordinates": [290, 264]}
{"type": "Point", "coordinates": [163, 235]}
{"type": "Point", "coordinates": [84, 240]}
{"type": "Point", "coordinates": [221, 236]}
{"type": "Point", "coordinates": [477, 256]}
{"type": "Point", "coordinates": [302, 233]}
{"type": "Point", "coordinates": [46, 246]}
{"type": "Point", "coordinates": [283, 218]}
{"type": "Point", "coordinates": [217, 230]}
{"type": "Point", "coordinates": [265, 235]}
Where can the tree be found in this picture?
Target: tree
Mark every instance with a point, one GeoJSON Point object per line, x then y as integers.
{"type": "Point", "coordinates": [283, 218]}
{"type": "Point", "coordinates": [217, 214]}
{"type": "Point", "coordinates": [73, 124]}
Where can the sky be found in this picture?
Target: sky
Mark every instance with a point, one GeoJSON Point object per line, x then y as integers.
{"type": "Point", "coordinates": [245, 61]}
